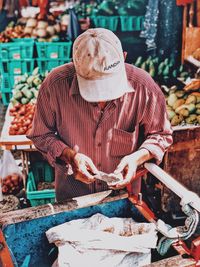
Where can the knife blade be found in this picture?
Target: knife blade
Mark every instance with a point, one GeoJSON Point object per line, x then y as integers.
{"type": "Point", "coordinates": [92, 199]}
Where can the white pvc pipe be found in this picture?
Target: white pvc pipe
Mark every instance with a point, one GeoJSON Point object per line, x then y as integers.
{"type": "Point", "coordinates": [186, 195]}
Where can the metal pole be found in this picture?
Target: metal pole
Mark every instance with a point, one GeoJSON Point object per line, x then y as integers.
{"type": "Point", "coordinates": [174, 185]}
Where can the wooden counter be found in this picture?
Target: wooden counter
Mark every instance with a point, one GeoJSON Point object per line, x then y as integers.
{"type": "Point", "coordinates": [13, 142]}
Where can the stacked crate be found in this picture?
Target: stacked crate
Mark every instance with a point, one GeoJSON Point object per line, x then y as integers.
{"type": "Point", "coordinates": [123, 23]}
{"type": "Point", "coordinates": [52, 54]}
{"type": "Point", "coordinates": [41, 172]}
{"type": "Point", "coordinates": [16, 59]}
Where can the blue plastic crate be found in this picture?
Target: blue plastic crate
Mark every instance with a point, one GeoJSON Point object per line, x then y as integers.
{"type": "Point", "coordinates": [8, 81]}
{"type": "Point", "coordinates": [5, 97]}
{"type": "Point", "coordinates": [107, 22]}
{"type": "Point", "coordinates": [45, 64]}
{"type": "Point", "coordinates": [131, 23]}
{"type": "Point", "coordinates": [40, 172]}
{"type": "Point", "coordinates": [16, 67]}
{"type": "Point", "coordinates": [17, 50]}
{"type": "Point", "coordinates": [54, 49]}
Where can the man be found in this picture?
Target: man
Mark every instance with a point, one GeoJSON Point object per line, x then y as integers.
{"type": "Point", "coordinates": [99, 114]}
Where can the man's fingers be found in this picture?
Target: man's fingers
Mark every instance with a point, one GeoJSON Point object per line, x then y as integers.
{"type": "Point", "coordinates": [129, 175]}
{"type": "Point", "coordinates": [120, 167]}
{"type": "Point", "coordinates": [76, 148]}
{"type": "Point", "coordinates": [83, 178]}
{"type": "Point", "coordinates": [84, 171]}
{"type": "Point", "coordinates": [92, 167]}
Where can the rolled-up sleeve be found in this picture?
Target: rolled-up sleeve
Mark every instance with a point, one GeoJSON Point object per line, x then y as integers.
{"type": "Point", "coordinates": [157, 128]}
{"type": "Point", "coordinates": [43, 133]}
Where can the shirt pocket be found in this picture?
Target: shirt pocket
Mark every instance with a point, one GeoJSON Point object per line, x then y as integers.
{"type": "Point", "coordinates": [122, 142]}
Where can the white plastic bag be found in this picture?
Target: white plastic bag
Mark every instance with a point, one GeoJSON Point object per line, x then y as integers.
{"type": "Point", "coordinates": [101, 242]}
{"type": "Point", "coordinates": [10, 174]}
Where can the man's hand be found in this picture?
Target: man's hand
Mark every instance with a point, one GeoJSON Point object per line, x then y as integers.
{"type": "Point", "coordinates": [83, 168]}
{"type": "Point", "coordinates": [128, 166]}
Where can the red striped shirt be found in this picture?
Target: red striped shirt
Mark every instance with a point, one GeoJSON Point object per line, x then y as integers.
{"type": "Point", "coordinates": [63, 118]}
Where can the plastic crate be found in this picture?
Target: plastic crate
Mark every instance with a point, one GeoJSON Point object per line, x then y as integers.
{"type": "Point", "coordinates": [16, 67]}
{"type": "Point", "coordinates": [45, 64]}
{"type": "Point", "coordinates": [5, 97]}
{"type": "Point", "coordinates": [131, 23]}
{"type": "Point", "coordinates": [17, 50]}
{"type": "Point", "coordinates": [23, 40]}
{"type": "Point", "coordinates": [54, 49]}
{"type": "Point", "coordinates": [108, 22]}
{"type": "Point", "coordinates": [41, 172]}
{"type": "Point", "coordinates": [8, 81]}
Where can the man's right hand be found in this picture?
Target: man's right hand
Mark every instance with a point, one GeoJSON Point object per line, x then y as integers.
{"type": "Point", "coordinates": [82, 166]}
{"type": "Point", "coordinates": [84, 169]}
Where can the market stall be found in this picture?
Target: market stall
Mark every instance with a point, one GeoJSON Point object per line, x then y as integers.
{"type": "Point", "coordinates": [38, 38]}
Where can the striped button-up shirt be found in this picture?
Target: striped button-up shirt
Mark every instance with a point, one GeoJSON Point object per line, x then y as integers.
{"type": "Point", "coordinates": [63, 118]}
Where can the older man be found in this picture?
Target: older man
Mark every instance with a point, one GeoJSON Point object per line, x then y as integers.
{"type": "Point", "coordinates": [99, 114]}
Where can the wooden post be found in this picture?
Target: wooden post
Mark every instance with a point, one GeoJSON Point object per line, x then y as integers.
{"type": "Point", "coordinates": [191, 15]}
{"type": "Point", "coordinates": [198, 13]}
{"type": "Point", "coordinates": [184, 33]}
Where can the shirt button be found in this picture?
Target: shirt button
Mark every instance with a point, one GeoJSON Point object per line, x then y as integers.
{"type": "Point", "coordinates": [99, 144]}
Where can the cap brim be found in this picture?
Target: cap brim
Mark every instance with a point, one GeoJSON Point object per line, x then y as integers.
{"type": "Point", "coordinates": [105, 89]}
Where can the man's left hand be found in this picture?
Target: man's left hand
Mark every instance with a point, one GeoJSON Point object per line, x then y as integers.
{"type": "Point", "coordinates": [127, 167]}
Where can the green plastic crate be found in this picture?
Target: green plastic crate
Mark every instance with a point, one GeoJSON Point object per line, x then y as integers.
{"type": "Point", "coordinates": [8, 81]}
{"type": "Point", "coordinates": [45, 64]}
{"type": "Point", "coordinates": [5, 97]}
{"type": "Point", "coordinates": [16, 67]}
{"type": "Point", "coordinates": [108, 22]}
{"type": "Point", "coordinates": [17, 50]}
{"type": "Point", "coordinates": [131, 23]}
{"type": "Point", "coordinates": [27, 40]}
{"type": "Point", "coordinates": [54, 49]}
{"type": "Point", "coordinates": [40, 172]}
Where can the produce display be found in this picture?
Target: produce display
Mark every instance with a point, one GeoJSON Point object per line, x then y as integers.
{"type": "Point", "coordinates": [23, 117]}
{"type": "Point", "coordinates": [12, 31]}
{"type": "Point", "coordinates": [183, 106]}
{"type": "Point", "coordinates": [47, 30]}
{"type": "Point", "coordinates": [26, 89]}
{"type": "Point", "coordinates": [161, 70]}
{"type": "Point", "coordinates": [12, 184]}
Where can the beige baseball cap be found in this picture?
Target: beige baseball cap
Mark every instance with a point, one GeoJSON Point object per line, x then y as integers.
{"type": "Point", "coordinates": [99, 62]}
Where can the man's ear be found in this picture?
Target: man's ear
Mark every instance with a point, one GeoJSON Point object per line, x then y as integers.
{"type": "Point", "coordinates": [125, 55]}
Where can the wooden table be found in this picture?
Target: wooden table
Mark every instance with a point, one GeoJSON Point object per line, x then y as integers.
{"type": "Point", "coordinates": [16, 142]}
